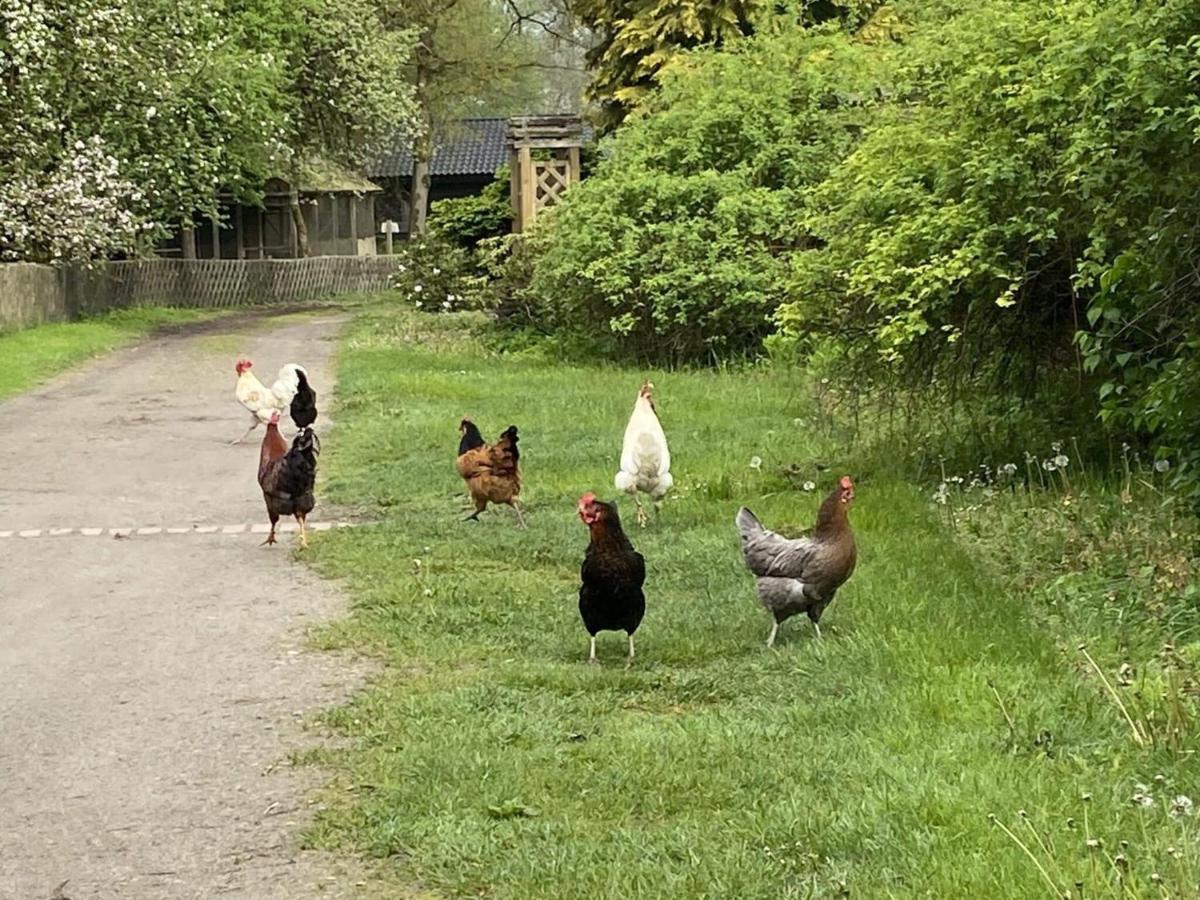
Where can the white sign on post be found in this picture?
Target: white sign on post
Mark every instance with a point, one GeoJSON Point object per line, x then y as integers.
{"type": "Point", "coordinates": [387, 229]}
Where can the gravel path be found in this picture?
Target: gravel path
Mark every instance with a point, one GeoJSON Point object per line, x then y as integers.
{"type": "Point", "coordinates": [152, 683]}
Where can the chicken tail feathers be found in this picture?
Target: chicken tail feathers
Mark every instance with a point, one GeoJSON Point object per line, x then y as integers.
{"type": "Point", "coordinates": [508, 443]}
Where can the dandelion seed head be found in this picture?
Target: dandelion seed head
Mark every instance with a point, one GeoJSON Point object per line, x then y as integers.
{"type": "Point", "coordinates": [1161, 466]}
{"type": "Point", "coordinates": [756, 462]}
{"type": "Point", "coordinates": [809, 486]}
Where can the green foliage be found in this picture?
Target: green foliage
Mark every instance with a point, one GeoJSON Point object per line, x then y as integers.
{"type": "Point", "coordinates": [638, 43]}
{"type": "Point", "coordinates": [1035, 180]}
{"type": "Point", "coordinates": [466, 221]}
{"type": "Point", "coordinates": [437, 276]}
{"type": "Point", "coordinates": [676, 247]}
{"type": "Point", "coordinates": [123, 117]}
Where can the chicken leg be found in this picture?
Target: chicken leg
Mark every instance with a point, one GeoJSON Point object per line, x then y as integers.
{"type": "Point", "coordinates": [253, 425]}
{"type": "Point", "coordinates": [592, 654]}
{"type": "Point", "coordinates": [303, 533]}
{"type": "Point", "coordinates": [629, 659]}
{"type": "Point", "coordinates": [771, 636]}
{"type": "Point", "coordinates": [270, 537]}
{"type": "Point", "coordinates": [520, 516]}
{"type": "Point", "coordinates": [642, 518]}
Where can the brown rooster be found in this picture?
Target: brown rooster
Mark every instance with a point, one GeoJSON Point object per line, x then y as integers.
{"type": "Point", "coordinates": [286, 476]}
{"type": "Point", "coordinates": [801, 575]}
{"type": "Point", "coordinates": [491, 471]}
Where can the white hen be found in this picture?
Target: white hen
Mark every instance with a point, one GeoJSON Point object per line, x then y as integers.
{"type": "Point", "coordinates": [645, 459]}
{"type": "Point", "coordinates": [262, 401]}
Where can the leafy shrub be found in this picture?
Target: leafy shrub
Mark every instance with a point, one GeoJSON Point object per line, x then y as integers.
{"type": "Point", "coordinates": [436, 276]}
{"type": "Point", "coordinates": [465, 221]}
{"type": "Point", "coordinates": [676, 247]}
{"type": "Point", "coordinates": [1032, 188]}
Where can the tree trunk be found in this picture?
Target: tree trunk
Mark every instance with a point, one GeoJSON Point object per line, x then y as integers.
{"type": "Point", "coordinates": [422, 143]}
{"type": "Point", "coordinates": [298, 221]}
{"type": "Point", "coordinates": [187, 242]}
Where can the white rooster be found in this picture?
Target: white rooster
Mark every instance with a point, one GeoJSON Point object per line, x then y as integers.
{"type": "Point", "coordinates": [645, 459]}
{"type": "Point", "coordinates": [262, 401]}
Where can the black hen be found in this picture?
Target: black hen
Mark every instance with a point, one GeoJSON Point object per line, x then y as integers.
{"type": "Point", "coordinates": [304, 404]}
{"type": "Point", "coordinates": [287, 476]}
{"type": "Point", "coordinates": [610, 597]}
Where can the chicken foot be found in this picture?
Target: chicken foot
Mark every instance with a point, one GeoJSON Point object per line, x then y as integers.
{"type": "Point", "coordinates": [270, 537]}
{"type": "Point", "coordinates": [520, 516]}
{"type": "Point", "coordinates": [253, 425]}
{"type": "Point", "coordinates": [775, 631]}
{"type": "Point", "coordinates": [642, 518]}
{"type": "Point", "coordinates": [629, 659]}
{"type": "Point", "coordinates": [303, 533]}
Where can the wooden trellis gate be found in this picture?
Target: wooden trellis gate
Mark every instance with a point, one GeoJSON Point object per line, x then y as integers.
{"type": "Point", "coordinates": [544, 154]}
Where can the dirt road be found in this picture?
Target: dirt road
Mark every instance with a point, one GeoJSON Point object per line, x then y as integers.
{"type": "Point", "coordinates": [152, 680]}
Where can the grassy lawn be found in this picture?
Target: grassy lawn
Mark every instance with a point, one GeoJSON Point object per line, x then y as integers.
{"type": "Point", "coordinates": [489, 760]}
{"type": "Point", "coordinates": [35, 354]}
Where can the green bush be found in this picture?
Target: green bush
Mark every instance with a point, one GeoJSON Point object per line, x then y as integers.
{"type": "Point", "coordinates": [676, 247]}
{"type": "Point", "coordinates": [1024, 210]}
{"type": "Point", "coordinates": [465, 221]}
{"type": "Point", "coordinates": [437, 276]}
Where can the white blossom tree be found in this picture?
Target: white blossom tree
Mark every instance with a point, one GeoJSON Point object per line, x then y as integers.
{"type": "Point", "coordinates": [120, 119]}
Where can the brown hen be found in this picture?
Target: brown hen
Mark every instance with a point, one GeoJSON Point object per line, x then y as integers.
{"type": "Point", "coordinates": [491, 471]}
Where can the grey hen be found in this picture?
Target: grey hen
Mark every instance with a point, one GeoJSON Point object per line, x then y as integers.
{"type": "Point", "coordinates": [801, 575]}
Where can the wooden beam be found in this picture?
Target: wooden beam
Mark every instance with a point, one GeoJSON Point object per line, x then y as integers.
{"type": "Point", "coordinates": [514, 188]}
{"type": "Point", "coordinates": [528, 191]}
{"type": "Point", "coordinates": [574, 168]}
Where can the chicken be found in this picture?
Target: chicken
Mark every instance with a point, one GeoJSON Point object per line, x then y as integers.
{"type": "Point", "coordinates": [304, 402]}
{"type": "Point", "coordinates": [645, 459]}
{"type": "Point", "coordinates": [286, 476]}
{"type": "Point", "coordinates": [260, 400]}
{"type": "Point", "coordinates": [801, 575]}
{"type": "Point", "coordinates": [610, 595]}
{"type": "Point", "coordinates": [491, 471]}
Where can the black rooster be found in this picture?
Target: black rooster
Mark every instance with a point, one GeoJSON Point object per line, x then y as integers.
{"type": "Point", "coordinates": [610, 597]}
{"type": "Point", "coordinates": [304, 404]}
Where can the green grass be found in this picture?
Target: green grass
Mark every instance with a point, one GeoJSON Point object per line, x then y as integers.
{"type": "Point", "coordinates": [489, 760]}
{"type": "Point", "coordinates": [35, 354]}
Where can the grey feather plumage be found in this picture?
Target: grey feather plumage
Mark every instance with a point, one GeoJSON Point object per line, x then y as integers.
{"type": "Point", "coordinates": [794, 575]}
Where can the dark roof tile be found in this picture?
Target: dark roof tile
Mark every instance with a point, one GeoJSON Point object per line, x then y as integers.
{"type": "Point", "coordinates": [470, 147]}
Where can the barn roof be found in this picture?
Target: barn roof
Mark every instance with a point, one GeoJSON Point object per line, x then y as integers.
{"type": "Point", "coordinates": [467, 147]}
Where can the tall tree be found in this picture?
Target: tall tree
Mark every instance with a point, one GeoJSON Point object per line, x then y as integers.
{"type": "Point", "coordinates": [635, 41]}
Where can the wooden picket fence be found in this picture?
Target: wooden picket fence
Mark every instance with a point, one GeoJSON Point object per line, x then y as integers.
{"type": "Point", "coordinates": [218, 283]}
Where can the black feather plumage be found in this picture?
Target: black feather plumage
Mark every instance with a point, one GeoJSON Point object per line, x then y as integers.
{"type": "Point", "coordinates": [304, 404]}
{"type": "Point", "coordinates": [610, 596]}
